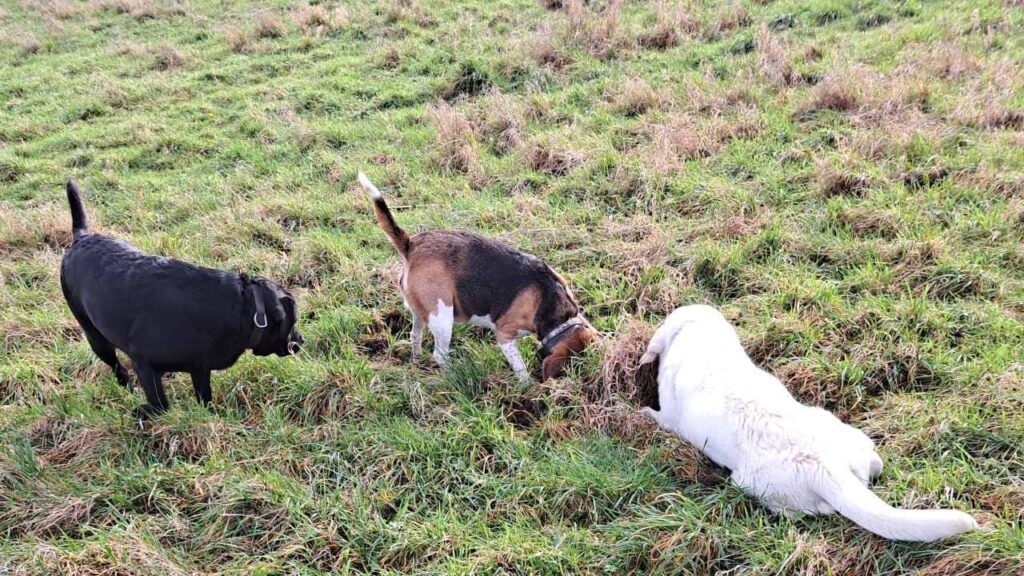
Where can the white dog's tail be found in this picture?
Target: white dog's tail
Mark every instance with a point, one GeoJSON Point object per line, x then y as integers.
{"type": "Point", "coordinates": [672, 325]}
{"type": "Point", "coordinates": [852, 499]}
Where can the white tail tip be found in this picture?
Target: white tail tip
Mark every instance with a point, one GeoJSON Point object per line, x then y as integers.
{"type": "Point", "coordinates": [369, 187]}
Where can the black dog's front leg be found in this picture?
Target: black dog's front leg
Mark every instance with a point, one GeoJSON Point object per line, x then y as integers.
{"type": "Point", "coordinates": [156, 401]}
{"type": "Point", "coordinates": [201, 385]}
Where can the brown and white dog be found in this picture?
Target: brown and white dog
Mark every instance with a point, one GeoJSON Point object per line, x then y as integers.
{"type": "Point", "coordinates": [452, 276]}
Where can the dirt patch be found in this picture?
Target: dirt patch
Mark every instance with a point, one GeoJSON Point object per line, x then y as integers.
{"type": "Point", "coordinates": [383, 329]}
{"type": "Point", "coordinates": [469, 80]}
{"type": "Point", "coordinates": [621, 373]}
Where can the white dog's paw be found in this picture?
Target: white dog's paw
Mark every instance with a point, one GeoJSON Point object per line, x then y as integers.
{"type": "Point", "coordinates": [650, 413]}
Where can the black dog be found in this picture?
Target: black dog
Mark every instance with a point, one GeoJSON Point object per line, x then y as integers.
{"type": "Point", "coordinates": [167, 315]}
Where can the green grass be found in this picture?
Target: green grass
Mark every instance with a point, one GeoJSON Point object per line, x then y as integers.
{"type": "Point", "coordinates": [844, 179]}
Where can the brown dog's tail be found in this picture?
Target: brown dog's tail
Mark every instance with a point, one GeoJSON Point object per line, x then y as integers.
{"type": "Point", "coordinates": [79, 224]}
{"type": "Point", "coordinates": [385, 220]}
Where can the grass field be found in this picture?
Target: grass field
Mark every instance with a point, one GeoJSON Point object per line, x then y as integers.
{"type": "Point", "coordinates": [844, 179]}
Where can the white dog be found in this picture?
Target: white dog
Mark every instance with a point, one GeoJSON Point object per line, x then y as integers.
{"type": "Point", "coordinates": [794, 458]}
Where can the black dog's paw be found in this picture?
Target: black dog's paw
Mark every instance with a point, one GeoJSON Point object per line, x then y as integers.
{"type": "Point", "coordinates": [123, 378]}
{"type": "Point", "coordinates": [145, 412]}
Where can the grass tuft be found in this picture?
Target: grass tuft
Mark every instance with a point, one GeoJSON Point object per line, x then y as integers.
{"type": "Point", "coordinates": [549, 156]}
{"type": "Point", "coordinates": [635, 96]}
{"type": "Point", "coordinates": [268, 25]}
{"type": "Point", "coordinates": [167, 57]}
{"type": "Point", "coordinates": [456, 143]}
{"type": "Point", "coordinates": [675, 23]}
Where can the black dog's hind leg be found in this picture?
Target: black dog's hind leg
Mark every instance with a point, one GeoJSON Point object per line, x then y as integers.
{"type": "Point", "coordinates": [100, 345]}
{"type": "Point", "coordinates": [156, 401]}
{"type": "Point", "coordinates": [201, 385]}
{"type": "Point", "coordinates": [106, 352]}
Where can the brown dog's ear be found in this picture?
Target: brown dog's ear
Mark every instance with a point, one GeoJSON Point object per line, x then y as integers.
{"type": "Point", "coordinates": [574, 343]}
{"type": "Point", "coordinates": [553, 366]}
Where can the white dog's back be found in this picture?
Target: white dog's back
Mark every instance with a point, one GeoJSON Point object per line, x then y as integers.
{"type": "Point", "coordinates": [794, 458]}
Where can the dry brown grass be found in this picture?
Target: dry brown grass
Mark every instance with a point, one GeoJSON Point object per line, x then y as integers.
{"type": "Point", "coordinates": [948, 61]}
{"type": "Point", "coordinates": [730, 18]}
{"type": "Point", "coordinates": [868, 222]}
{"type": "Point", "coordinates": [317, 21]}
{"type": "Point", "coordinates": [167, 57]}
{"type": "Point", "coordinates": [621, 373]}
{"type": "Point", "coordinates": [457, 150]}
{"type": "Point", "coordinates": [115, 6]}
{"type": "Point", "coordinates": [836, 92]}
{"type": "Point", "coordinates": [548, 156]}
{"type": "Point", "coordinates": [899, 102]}
{"type": "Point", "coordinates": [48, 227]}
{"type": "Point", "coordinates": [64, 516]}
{"type": "Point", "coordinates": [50, 10]}
{"type": "Point", "coordinates": [986, 101]}
{"type": "Point", "coordinates": [675, 22]}
{"type": "Point", "coordinates": [118, 556]}
{"type": "Point", "coordinates": [139, 9]}
{"type": "Point", "coordinates": [61, 9]}
{"type": "Point", "coordinates": [238, 41]}
{"type": "Point", "coordinates": [773, 60]}
{"type": "Point", "coordinates": [895, 101]}
{"type": "Point", "coordinates": [28, 44]}
{"type": "Point", "coordinates": [398, 10]}
{"type": "Point", "coordinates": [635, 96]}
{"type": "Point", "coordinates": [80, 446]}
{"type": "Point", "coordinates": [673, 143]}
{"type": "Point", "coordinates": [390, 57]}
{"type": "Point", "coordinates": [836, 182]}
{"type": "Point", "coordinates": [638, 252]}
{"type": "Point", "coordinates": [545, 47]}
{"type": "Point", "coordinates": [501, 119]}
{"type": "Point", "coordinates": [596, 32]}
{"type": "Point", "coordinates": [268, 26]}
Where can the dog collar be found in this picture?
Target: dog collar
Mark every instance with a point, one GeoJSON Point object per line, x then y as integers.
{"type": "Point", "coordinates": [556, 335]}
{"type": "Point", "coordinates": [259, 317]}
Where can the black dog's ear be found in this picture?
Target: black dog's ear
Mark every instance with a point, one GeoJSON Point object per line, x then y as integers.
{"type": "Point", "coordinates": [275, 308]}
{"type": "Point", "coordinates": [288, 301]}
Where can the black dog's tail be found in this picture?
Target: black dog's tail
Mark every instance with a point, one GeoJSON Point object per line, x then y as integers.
{"type": "Point", "coordinates": [79, 225]}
